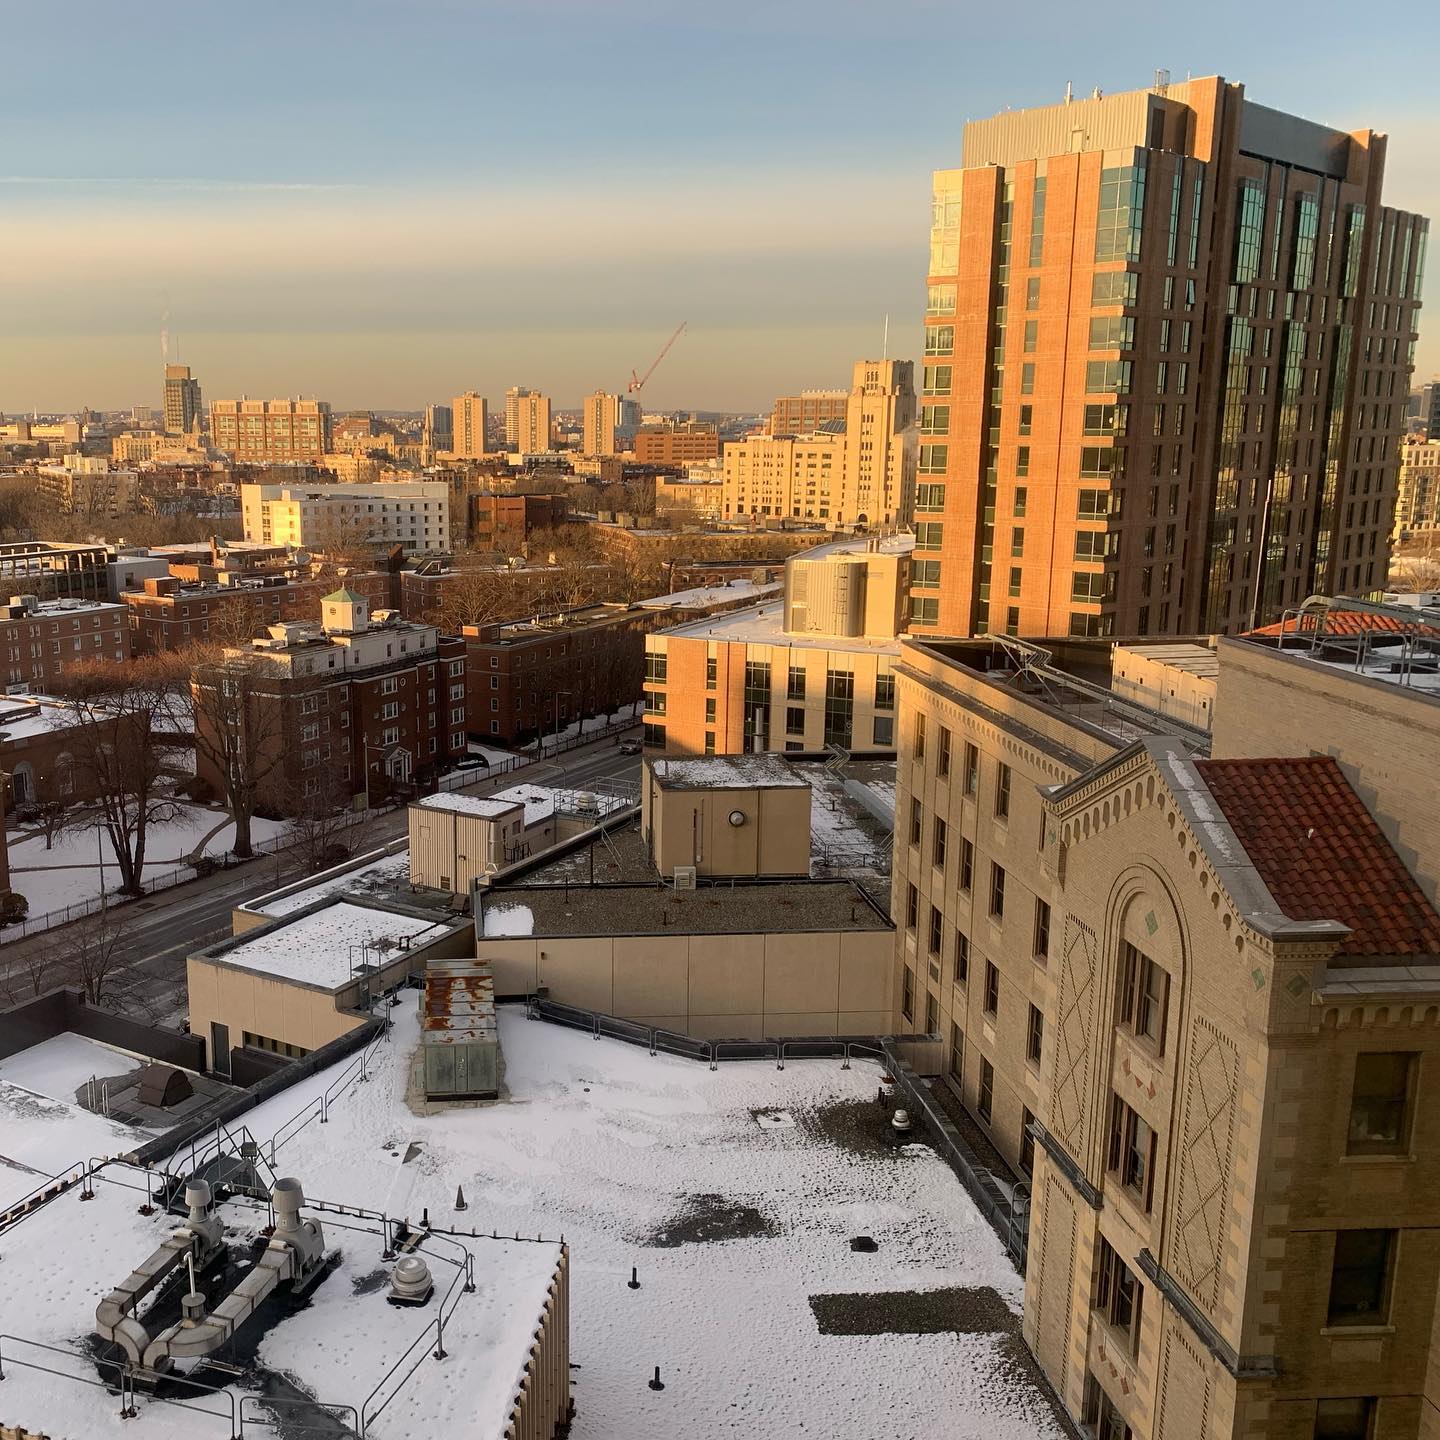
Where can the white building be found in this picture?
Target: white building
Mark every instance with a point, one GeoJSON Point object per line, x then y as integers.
{"type": "Point", "coordinates": [412, 513]}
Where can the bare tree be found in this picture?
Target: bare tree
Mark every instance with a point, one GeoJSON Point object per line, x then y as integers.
{"type": "Point", "coordinates": [324, 829]}
{"type": "Point", "coordinates": [475, 597]}
{"type": "Point", "coordinates": [51, 817]}
{"type": "Point", "coordinates": [1415, 566]}
{"type": "Point", "coordinates": [91, 951]}
{"type": "Point", "coordinates": [242, 733]}
{"type": "Point", "coordinates": [122, 737]}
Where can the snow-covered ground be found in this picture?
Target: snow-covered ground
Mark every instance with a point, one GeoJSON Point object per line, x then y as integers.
{"type": "Point", "coordinates": [594, 722]}
{"type": "Point", "coordinates": [70, 871]}
{"type": "Point", "coordinates": [41, 1138]}
{"type": "Point", "coordinates": [59, 1066]}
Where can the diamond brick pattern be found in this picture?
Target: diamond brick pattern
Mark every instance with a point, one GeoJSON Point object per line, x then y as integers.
{"type": "Point", "coordinates": [1075, 1003]}
{"type": "Point", "coordinates": [1321, 853]}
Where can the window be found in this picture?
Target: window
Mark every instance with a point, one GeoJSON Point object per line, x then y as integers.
{"type": "Point", "coordinates": [934, 419]}
{"type": "Point", "coordinates": [938, 842]}
{"type": "Point", "coordinates": [957, 1052]}
{"type": "Point", "coordinates": [1094, 505]}
{"type": "Point", "coordinates": [1107, 377]}
{"type": "Point", "coordinates": [884, 692]}
{"type": "Point", "coordinates": [1345, 1419]}
{"type": "Point", "coordinates": [1105, 1421]}
{"type": "Point", "coordinates": [1117, 1294]}
{"type": "Point", "coordinates": [710, 710]}
{"type": "Point", "coordinates": [919, 737]}
{"type": "Point", "coordinates": [657, 666]}
{"type": "Point", "coordinates": [972, 768]}
{"type": "Point", "coordinates": [795, 684]}
{"type": "Point", "coordinates": [1022, 461]}
{"type": "Point", "coordinates": [917, 820]}
{"type": "Point", "coordinates": [985, 1100]}
{"type": "Point", "coordinates": [710, 667]}
{"type": "Point", "coordinates": [1380, 1103]}
{"type": "Point", "coordinates": [935, 379]}
{"type": "Point", "coordinates": [962, 959]}
{"type": "Point", "coordinates": [992, 989]}
{"type": "Point", "coordinates": [925, 574]}
{"type": "Point", "coordinates": [1027, 1142]}
{"type": "Point", "coordinates": [940, 340]}
{"type": "Point", "coordinates": [1002, 791]}
{"type": "Point", "coordinates": [967, 863]}
{"type": "Point", "coordinates": [883, 731]}
{"type": "Point", "coordinates": [1042, 930]}
{"type": "Point", "coordinates": [1360, 1277]}
{"type": "Point", "coordinates": [1034, 1035]}
{"type": "Point", "coordinates": [794, 719]}
{"type": "Point", "coordinates": [1096, 461]}
{"type": "Point", "coordinates": [1114, 287]}
{"type": "Point", "coordinates": [1144, 990]}
{"type": "Point", "coordinates": [655, 735]}
{"type": "Point", "coordinates": [997, 892]}
{"type": "Point", "coordinates": [907, 995]}
{"type": "Point", "coordinates": [932, 1014]}
{"type": "Point", "coordinates": [936, 930]}
{"type": "Point", "coordinates": [912, 907]}
{"type": "Point", "coordinates": [1132, 1151]}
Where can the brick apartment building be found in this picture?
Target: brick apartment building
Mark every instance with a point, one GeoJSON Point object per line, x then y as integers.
{"type": "Point", "coordinates": [504, 522]}
{"type": "Point", "coordinates": [168, 613]}
{"type": "Point", "coordinates": [370, 704]}
{"type": "Point", "coordinates": [41, 639]}
{"type": "Point", "coordinates": [532, 677]}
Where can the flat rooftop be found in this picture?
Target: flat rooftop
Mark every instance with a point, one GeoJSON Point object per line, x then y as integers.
{"type": "Point", "coordinates": [381, 872]}
{"type": "Point", "coordinates": [324, 947]}
{"type": "Point", "coordinates": [727, 772]}
{"type": "Point", "coordinates": [1202, 661]}
{"type": "Point", "coordinates": [764, 624]}
{"type": "Point", "coordinates": [642, 1160]}
{"type": "Point", "coordinates": [746, 907]}
{"type": "Point", "coordinates": [483, 806]}
{"type": "Point", "coordinates": [735, 592]}
{"type": "Point", "coordinates": [1069, 678]}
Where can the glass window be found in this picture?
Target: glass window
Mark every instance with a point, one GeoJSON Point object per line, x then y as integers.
{"type": "Point", "coordinates": [992, 988]}
{"type": "Point", "coordinates": [997, 892]}
{"type": "Point", "coordinates": [934, 419]}
{"type": "Point", "coordinates": [1002, 790]}
{"type": "Point", "coordinates": [1132, 1150]}
{"type": "Point", "coordinates": [1034, 1035]}
{"type": "Point", "coordinates": [972, 768]}
{"type": "Point", "coordinates": [957, 1052]}
{"type": "Point", "coordinates": [1104, 377]}
{"type": "Point", "coordinates": [924, 610]}
{"type": "Point", "coordinates": [967, 863]}
{"type": "Point", "coordinates": [1380, 1103]}
{"type": "Point", "coordinates": [795, 683]}
{"type": "Point", "coordinates": [940, 340]}
{"type": "Point", "coordinates": [907, 995]}
{"type": "Point", "coordinates": [1112, 332]}
{"type": "Point", "coordinates": [912, 907]}
{"type": "Point", "coordinates": [1360, 1277]}
{"type": "Point", "coordinates": [794, 719]}
{"type": "Point", "coordinates": [936, 380]}
{"type": "Point", "coordinates": [940, 300]}
{"type": "Point", "coordinates": [1114, 287]}
{"type": "Point", "coordinates": [937, 927]}
{"type": "Point", "coordinates": [1042, 930]}
{"type": "Point", "coordinates": [917, 820]}
{"type": "Point", "coordinates": [938, 844]}
{"type": "Point", "coordinates": [942, 757]}
{"type": "Point", "coordinates": [1349, 1419]}
{"type": "Point", "coordinates": [1121, 211]}
{"type": "Point", "coordinates": [962, 958]}
{"type": "Point", "coordinates": [884, 692]}
{"type": "Point", "coordinates": [1118, 1294]}
{"type": "Point", "coordinates": [1144, 992]}
{"type": "Point", "coordinates": [985, 1098]}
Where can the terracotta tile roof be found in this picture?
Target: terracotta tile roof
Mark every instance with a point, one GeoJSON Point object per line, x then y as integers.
{"type": "Point", "coordinates": [1321, 853]}
{"type": "Point", "coordinates": [1345, 622]}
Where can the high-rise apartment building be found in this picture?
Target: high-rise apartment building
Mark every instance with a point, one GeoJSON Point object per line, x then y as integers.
{"type": "Point", "coordinates": [438, 435]}
{"type": "Point", "coordinates": [855, 470]}
{"type": "Point", "coordinates": [182, 401]}
{"type": "Point", "coordinates": [607, 422]}
{"type": "Point", "coordinates": [1167, 354]}
{"type": "Point", "coordinates": [414, 514]}
{"type": "Point", "coordinates": [470, 419]}
{"type": "Point", "coordinates": [1417, 496]}
{"type": "Point", "coordinates": [261, 431]}
{"type": "Point", "coordinates": [527, 421]}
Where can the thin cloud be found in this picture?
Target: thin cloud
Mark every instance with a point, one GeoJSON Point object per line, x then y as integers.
{"type": "Point", "coordinates": [158, 182]}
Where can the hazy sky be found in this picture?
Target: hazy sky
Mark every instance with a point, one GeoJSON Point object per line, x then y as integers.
{"type": "Point", "coordinates": [384, 202]}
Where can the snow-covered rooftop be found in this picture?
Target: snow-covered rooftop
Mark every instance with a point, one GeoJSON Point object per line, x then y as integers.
{"type": "Point", "coordinates": [764, 624]}
{"type": "Point", "coordinates": [703, 596]}
{"type": "Point", "coordinates": [323, 948]}
{"type": "Point", "coordinates": [386, 873]}
{"type": "Point", "coordinates": [489, 808]}
{"type": "Point", "coordinates": [728, 772]}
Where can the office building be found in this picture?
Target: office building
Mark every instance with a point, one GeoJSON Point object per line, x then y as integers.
{"type": "Point", "coordinates": [1167, 354]}
{"type": "Point", "coordinates": [1425, 411]}
{"type": "Point", "coordinates": [438, 429]}
{"type": "Point", "coordinates": [607, 423]}
{"type": "Point", "coordinates": [804, 671]}
{"type": "Point", "coordinates": [470, 421]}
{"type": "Point", "coordinates": [527, 421]}
{"type": "Point", "coordinates": [806, 412]}
{"type": "Point", "coordinates": [414, 514]}
{"type": "Point", "coordinates": [183, 407]}
{"type": "Point", "coordinates": [257, 432]}
{"type": "Point", "coordinates": [857, 470]}
{"type": "Point", "coordinates": [681, 444]}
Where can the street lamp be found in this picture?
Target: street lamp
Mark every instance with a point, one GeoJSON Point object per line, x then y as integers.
{"type": "Point", "coordinates": [556, 702]}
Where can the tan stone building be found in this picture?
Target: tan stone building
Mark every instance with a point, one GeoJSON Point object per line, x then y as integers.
{"type": "Point", "coordinates": [811, 670]}
{"type": "Point", "coordinates": [855, 469]}
{"type": "Point", "coordinates": [607, 422]}
{"type": "Point", "coordinates": [1167, 350]}
{"type": "Point", "coordinates": [1417, 492]}
{"type": "Point", "coordinates": [528, 421]}
{"type": "Point", "coordinates": [1195, 997]}
{"type": "Point", "coordinates": [470, 421]}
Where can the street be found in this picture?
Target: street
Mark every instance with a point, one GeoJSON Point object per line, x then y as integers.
{"type": "Point", "coordinates": [148, 981]}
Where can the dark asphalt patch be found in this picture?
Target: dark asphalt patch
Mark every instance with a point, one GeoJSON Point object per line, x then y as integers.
{"type": "Point", "coordinates": [961, 1310]}
{"type": "Point", "coordinates": [708, 1220]}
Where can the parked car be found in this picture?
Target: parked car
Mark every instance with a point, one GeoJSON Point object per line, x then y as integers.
{"type": "Point", "coordinates": [629, 747]}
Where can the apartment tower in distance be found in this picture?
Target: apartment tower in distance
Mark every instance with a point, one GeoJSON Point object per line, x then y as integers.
{"type": "Point", "coordinates": [438, 435]}
{"type": "Point", "coordinates": [607, 423]}
{"type": "Point", "coordinates": [182, 400]}
{"type": "Point", "coordinates": [527, 421]}
{"type": "Point", "coordinates": [470, 418]}
{"type": "Point", "coordinates": [1168, 344]}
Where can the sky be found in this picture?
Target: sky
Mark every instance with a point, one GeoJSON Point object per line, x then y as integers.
{"type": "Point", "coordinates": [388, 202]}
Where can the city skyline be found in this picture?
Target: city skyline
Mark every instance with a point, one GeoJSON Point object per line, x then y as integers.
{"type": "Point", "coordinates": [544, 196]}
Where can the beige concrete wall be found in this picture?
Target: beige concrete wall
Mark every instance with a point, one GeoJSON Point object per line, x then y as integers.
{"type": "Point", "coordinates": [450, 848]}
{"type": "Point", "coordinates": [692, 827]}
{"type": "Point", "coordinates": [1385, 738]}
{"type": "Point", "coordinates": [711, 986]}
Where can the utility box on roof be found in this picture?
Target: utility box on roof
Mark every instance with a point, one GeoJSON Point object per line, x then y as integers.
{"type": "Point", "coordinates": [461, 1048]}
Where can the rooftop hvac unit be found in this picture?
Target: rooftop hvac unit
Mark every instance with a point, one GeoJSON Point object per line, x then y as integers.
{"type": "Point", "coordinates": [684, 877]}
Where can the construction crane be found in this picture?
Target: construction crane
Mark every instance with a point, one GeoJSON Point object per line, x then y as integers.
{"type": "Point", "coordinates": [637, 382]}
